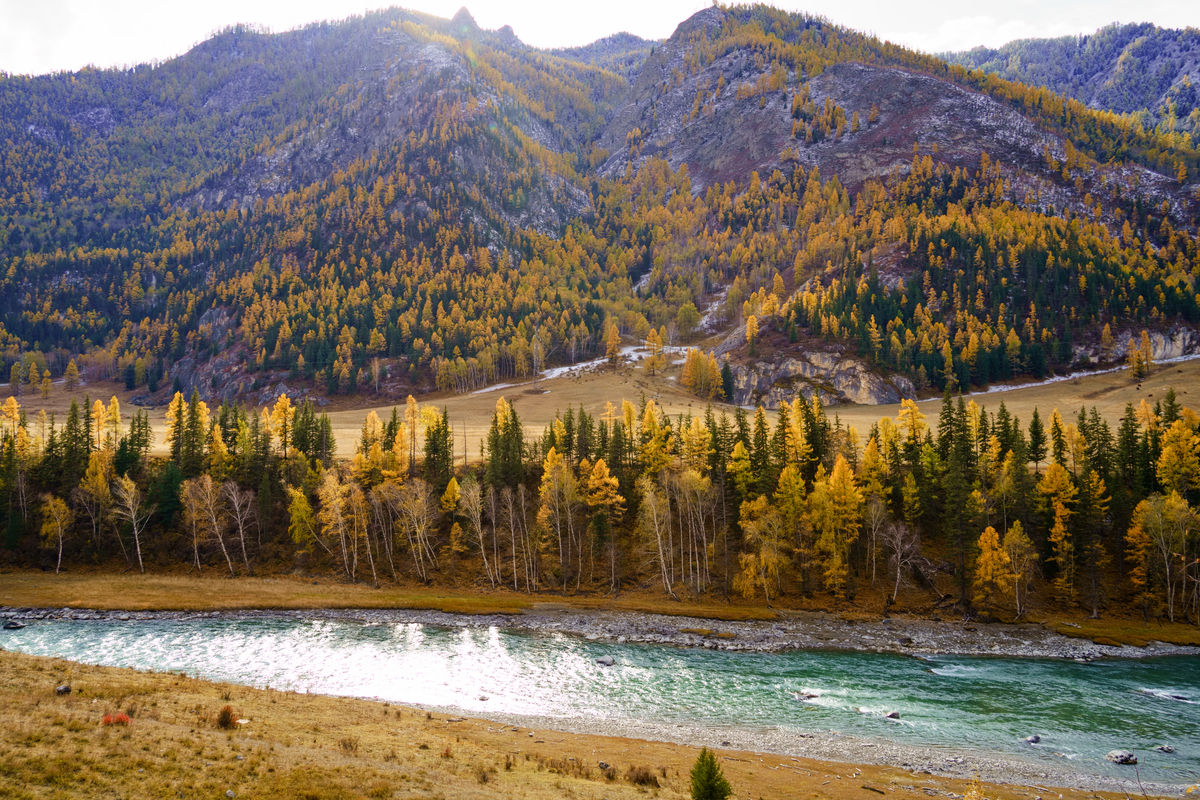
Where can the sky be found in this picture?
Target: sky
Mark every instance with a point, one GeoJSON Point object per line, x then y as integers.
{"type": "Point", "coordinates": [39, 36]}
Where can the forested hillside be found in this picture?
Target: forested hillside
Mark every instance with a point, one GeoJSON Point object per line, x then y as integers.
{"type": "Point", "coordinates": [400, 203]}
{"type": "Point", "coordinates": [1138, 69]}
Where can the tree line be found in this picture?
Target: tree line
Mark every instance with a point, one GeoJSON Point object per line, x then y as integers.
{"type": "Point", "coordinates": [977, 510]}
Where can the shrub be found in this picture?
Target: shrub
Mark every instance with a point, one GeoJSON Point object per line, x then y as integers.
{"type": "Point", "coordinates": [708, 781]}
{"type": "Point", "coordinates": [226, 719]}
{"type": "Point", "coordinates": [642, 776]}
{"type": "Point", "coordinates": [120, 718]}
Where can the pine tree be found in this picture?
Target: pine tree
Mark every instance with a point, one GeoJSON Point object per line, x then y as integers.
{"type": "Point", "coordinates": [1036, 449]}
{"type": "Point", "coordinates": [727, 385]}
{"type": "Point", "coordinates": [708, 779]}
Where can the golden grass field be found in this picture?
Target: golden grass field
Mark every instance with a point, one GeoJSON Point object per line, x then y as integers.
{"type": "Point", "coordinates": [313, 747]}
{"type": "Point", "coordinates": [470, 415]}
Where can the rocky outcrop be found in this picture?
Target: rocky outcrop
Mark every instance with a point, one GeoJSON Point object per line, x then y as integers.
{"type": "Point", "coordinates": [833, 377]}
{"type": "Point", "coordinates": [1173, 342]}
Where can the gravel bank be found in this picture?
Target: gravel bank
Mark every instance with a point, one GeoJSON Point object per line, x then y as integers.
{"type": "Point", "coordinates": [795, 630]}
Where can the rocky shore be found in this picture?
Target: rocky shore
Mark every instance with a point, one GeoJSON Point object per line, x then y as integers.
{"type": "Point", "coordinates": [795, 630]}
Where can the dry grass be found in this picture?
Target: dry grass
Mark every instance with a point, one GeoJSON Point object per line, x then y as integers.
{"type": "Point", "coordinates": [470, 414]}
{"type": "Point", "coordinates": [296, 746]}
{"type": "Point", "coordinates": [158, 592]}
{"type": "Point", "coordinates": [1134, 632]}
{"type": "Point", "coordinates": [1108, 393]}
{"type": "Point", "coordinates": [168, 592]}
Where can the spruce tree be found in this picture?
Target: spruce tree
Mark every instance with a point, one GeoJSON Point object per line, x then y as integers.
{"type": "Point", "coordinates": [1037, 441]}
{"type": "Point", "coordinates": [708, 780]}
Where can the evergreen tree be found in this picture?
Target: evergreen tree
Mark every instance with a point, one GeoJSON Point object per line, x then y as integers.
{"type": "Point", "coordinates": [708, 779]}
{"type": "Point", "coordinates": [727, 386]}
{"type": "Point", "coordinates": [1037, 441]}
{"type": "Point", "coordinates": [439, 453]}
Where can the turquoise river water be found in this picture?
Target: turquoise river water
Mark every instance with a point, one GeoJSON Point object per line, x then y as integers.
{"type": "Point", "coordinates": [982, 705]}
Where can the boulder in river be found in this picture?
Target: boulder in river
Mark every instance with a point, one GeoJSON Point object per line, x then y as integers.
{"type": "Point", "coordinates": [892, 715]}
{"type": "Point", "coordinates": [1033, 739]}
{"type": "Point", "coordinates": [1165, 748]}
{"type": "Point", "coordinates": [13, 625]}
{"type": "Point", "coordinates": [1121, 757]}
{"type": "Point", "coordinates": [606, 661]}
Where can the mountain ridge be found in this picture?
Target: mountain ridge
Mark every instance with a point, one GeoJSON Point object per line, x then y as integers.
{"type": "Point", "coordinates": [1135, 68]}
{"type": "Point", "coordinates": [408, 203]}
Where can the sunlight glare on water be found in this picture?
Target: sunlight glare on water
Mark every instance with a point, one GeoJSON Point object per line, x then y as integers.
{"type": "Point", "coordinates": [990, 704]}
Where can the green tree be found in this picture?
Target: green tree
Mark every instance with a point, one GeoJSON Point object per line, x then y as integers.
{"type": "Point", "coordinates": [708, 780]}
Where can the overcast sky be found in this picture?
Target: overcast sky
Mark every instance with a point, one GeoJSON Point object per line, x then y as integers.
{"type": "Point", "coordinates": [38, 36]}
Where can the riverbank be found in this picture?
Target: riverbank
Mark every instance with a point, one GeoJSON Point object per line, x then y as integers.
{"type": "Point", "coordinates": [641, 618]}
{"type": "Point", "coordinates": [289, 745]}
{"type": "Point", "coordinates": [791, 630]}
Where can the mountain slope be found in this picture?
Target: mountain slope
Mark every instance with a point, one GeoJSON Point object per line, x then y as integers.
{"type": "Point", "coordinates": [1125, 68]}
{"type": "Point", "coordinates": [398, 203]}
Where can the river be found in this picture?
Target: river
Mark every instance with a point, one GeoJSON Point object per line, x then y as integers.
{"type": "Point", "coordinates": [960, 709]}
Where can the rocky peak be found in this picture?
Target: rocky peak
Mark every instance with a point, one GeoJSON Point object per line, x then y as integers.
{"type": "Point", "coordinates": [463, 23]}
{"type": "Point", "coordinates": [709, 20]}
{"type": "Point", "coordinates": [506, 34]}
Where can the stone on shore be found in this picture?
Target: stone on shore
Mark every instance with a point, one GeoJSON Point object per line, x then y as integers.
{"type": "Point", "coordinates": [1121, 757]}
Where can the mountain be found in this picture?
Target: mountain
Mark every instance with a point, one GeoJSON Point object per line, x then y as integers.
{"type": "Point", "coordinates": [622, 53]}
{"type": "Point", "coordinates": [1131, 69]}
{"type": "Point", "coordinates": [399, 203]}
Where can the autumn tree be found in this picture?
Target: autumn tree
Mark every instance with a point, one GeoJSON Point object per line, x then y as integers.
{"type": "Point", "coordinates": [1022, 557]}
{"type": "Point", "coordinates": [765, 553]}
{"type": "Point", "coordinates": [835, 504]}
{"type": "Point", "coordinates": [130, 505]}
{"type": "Point", "coordinates": [612, 343]}
{"type": "Point", "coordinates": [993, 570]}
{"type": "Point", "coordinates": [1157, 542]}
{"type": "Point", "coordinates": [71, 376]}
{"type": "Point", "coordinates": [1059, 493]}
{"type": "Point", "coordinates": [603, 497]}
{"type": "Point", "coordinates": [57, 520]}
